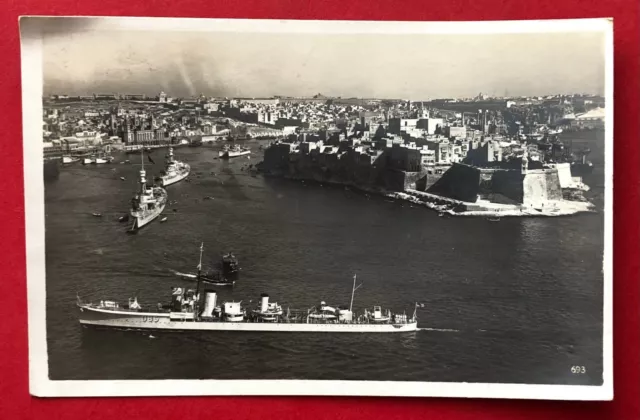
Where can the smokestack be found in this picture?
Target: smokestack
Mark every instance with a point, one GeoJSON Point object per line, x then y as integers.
{"type": "Point", "coordinates": [264, 302]}
{"type": "Point", "coordinates": [209, 303]}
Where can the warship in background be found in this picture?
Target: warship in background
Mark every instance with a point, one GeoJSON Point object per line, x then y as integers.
{"type": "Point", "coordinates": [175, 171]}
{"type": "Point", "coordinates": [148, 203]}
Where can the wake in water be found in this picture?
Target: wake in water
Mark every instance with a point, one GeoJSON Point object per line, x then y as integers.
{"type": "Point", "coordinates": [186, 275]}
{"type": "Point", "coordinates": [437, 329]}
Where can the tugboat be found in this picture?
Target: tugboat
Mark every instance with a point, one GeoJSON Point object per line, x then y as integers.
{"type": "Point", "coordinates": [229, 264]}
{"type": "Point", "coordinates": [174, 171]}
{"type": "Point", "coordinates": [210, 277]}
{"type": "Point", "coordinates": [148, 203]}
{"type": "Point", "coordinates": [231, 152]}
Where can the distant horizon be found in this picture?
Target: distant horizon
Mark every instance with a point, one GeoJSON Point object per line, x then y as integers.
{"type": "Point", "coordinates": [91, 60]}
{"type": "Point", "coordinates": [156, 95]}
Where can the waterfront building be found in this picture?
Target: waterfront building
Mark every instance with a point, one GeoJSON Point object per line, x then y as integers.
{"type": "Point", "coordinates": [142, 136]}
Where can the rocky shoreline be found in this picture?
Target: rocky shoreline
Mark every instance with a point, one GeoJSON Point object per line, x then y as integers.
{"type": "Point", "coordinates": [453, 207]}
{"type": "Point", "coordinates": [486, 209]}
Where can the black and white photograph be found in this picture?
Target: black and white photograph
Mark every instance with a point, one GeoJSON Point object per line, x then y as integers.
{"type": "Point", "coordinates": [270, 207]}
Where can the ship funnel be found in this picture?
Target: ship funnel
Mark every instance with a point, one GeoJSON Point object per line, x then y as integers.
{"type": "Point", "coordinates": [264, 302]}
{"type": "Point", "coordinates": [209, 303]}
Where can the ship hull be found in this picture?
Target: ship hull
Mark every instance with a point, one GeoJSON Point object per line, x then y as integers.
{"type": "Point", "coordinates": [162, 322]}
{"type": "Point", "coordinates": [229, 155]}
{"type": "Point", "coordinates": [165, 181]}
{"type": "Point", "coordinates": [141, 221]}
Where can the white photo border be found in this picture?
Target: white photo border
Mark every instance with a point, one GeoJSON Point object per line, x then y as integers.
{"type": "Point", "coordinates": [32, 93]}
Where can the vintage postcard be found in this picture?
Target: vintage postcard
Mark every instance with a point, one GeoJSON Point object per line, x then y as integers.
{"type": "Point", "coordinates": [263, 207]}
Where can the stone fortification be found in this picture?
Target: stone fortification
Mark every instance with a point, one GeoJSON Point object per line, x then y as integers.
{"type": "Point", "coordinates": [504, 186]}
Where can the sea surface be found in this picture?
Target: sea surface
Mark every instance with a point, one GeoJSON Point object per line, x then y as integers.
{"type": "Point", "coordinates": [515, 301]}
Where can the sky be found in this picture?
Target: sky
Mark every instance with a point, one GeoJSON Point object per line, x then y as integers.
{"type": "Point", "coordinates": [83, 61]}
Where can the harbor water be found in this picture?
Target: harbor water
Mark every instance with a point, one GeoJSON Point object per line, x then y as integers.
{"type": "Point", "coordinates": [514, 301]}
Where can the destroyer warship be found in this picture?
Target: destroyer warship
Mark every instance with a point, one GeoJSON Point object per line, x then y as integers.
{"type": "Point", "coordinates": [186, 313]}
{"type": "Point", "coordinates": [148, 203]}
{"type": "Point", "coordinates": [174, 171]}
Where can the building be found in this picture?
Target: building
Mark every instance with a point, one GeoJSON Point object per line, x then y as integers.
{"type": "Point", "coordinates": [398, 125]}
{"type": "Point", "coordinates": [442, 151]}
{"type": "Point", "coordinates": [136, 97]}
{"type": "Point", "coordinates": [455, 132]}
{"type": "Point", "coordinates": [430, 125]}
{"type": "Point", "coordinates": [485, 153]}
{"type": "Point", "coordinates": [261, 101]}
{"type": "Point", "coordinates": [160, 134]}
{"type": "Point", "coordinates": [142, 136]}
{"type": "Point", "coordinates": [268, 117]}
{"type": "Point", "coordinates": [428, 157]}
{"type": "Point", "coordinates": [593, 119]}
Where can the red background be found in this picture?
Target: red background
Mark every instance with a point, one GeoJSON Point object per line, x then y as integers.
{"type": "Point", "coordinates": [15, 401]}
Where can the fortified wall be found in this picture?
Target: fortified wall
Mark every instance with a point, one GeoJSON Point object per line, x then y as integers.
{"type": "Point", "coordinates": [383, 173]}
{"type": "Point", "coordinates": [532, 187]}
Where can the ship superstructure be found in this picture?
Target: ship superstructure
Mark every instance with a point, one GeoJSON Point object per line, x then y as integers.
{"type": "Point", "coordinates": [174, 171]}
{"type": "Point", "coordinates": [189, 311]}
{"type": "Point", "coordinates": [148, 203]}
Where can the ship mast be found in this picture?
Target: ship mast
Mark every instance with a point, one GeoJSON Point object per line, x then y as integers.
{"type": "Point", "coordinates": [143, 173]}
{"type": "Point", "coordinates": [353, 291]}
{"type": "Point", "coordinates": [196, 306]}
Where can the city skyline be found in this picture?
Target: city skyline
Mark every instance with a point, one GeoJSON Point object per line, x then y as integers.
{"type": "Point", "coordinates": [225, 64]}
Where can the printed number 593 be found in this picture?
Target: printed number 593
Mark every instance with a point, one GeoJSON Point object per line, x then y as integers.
{"type": "Point", "coordinates": [578, 369]}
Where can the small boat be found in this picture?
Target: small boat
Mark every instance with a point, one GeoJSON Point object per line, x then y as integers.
{"type": "Point", "coordinates": [231, 152]}
{"type": "Point", "coordinates": [324, 312]}
{"type": "Point", "coordinates": [67, 159]}
{"type": "Point", "coordinates": [493, 219]}
{"type": "Point", "coordinates": [215, 278]}
{"type": "Point", "coordinates": [124, 218]}
{"type": "Point", "coordinates": [164, 219]}
{"type": "Point", "coordinates": [123, 178]}
{"type": "Point", "coordinates": [441, 214]}
{"type": "Point", "coordinates": [97, 214]}
{"type": "Point", "coordinates": [229, 264]}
